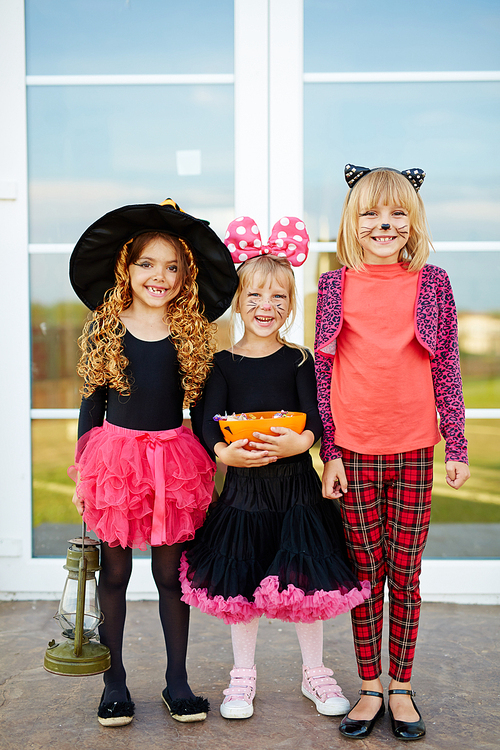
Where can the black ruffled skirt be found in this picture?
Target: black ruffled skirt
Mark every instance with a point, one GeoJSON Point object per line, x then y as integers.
{"type": "Point", "coordinates": [271, 545]}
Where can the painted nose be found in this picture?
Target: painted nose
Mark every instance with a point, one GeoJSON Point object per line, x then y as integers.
{"type": "Point", "coordinates": [385, 226]}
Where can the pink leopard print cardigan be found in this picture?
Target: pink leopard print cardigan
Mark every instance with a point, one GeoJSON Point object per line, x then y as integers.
{"type": "Point", "coordinates": [435, 329]}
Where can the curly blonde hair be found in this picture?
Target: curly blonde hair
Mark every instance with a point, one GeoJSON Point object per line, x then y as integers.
{"type": "Point", "coordinates": [389, 187]}
{"type": "Point", "coordinates": [102, 361]}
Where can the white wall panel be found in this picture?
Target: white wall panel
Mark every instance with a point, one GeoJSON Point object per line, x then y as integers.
{"type": "Point", "coordinates": [15, 465]}
{"type": "Point", "coordinates": [251, 96]}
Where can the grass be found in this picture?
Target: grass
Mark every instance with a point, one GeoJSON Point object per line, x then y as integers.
{"type": "Point", "coordinates": [53, 451]}
{"type": "Point", "coordinates": [477, 502]}
{"type": "Point", "coordinates": [482, 393]}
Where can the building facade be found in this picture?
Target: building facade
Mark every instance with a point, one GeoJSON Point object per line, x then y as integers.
{"type": "Point", "coordinates": [231, 107]}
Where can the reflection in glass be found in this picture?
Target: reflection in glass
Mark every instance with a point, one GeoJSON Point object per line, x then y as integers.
{"type": "Point", "coordinates": [69, 37]}
{"type": "Point", "coordinates": [344, 36]}
{"type": "Point", "coordinates": [448, 129]}
{"type": "Point", "coordinates": [55, 518]}
{"type": "Point", "coordinates": [57, 318]}
{"type": "Point", "coordinates": [475, 277]}
{"type": "Point", "coordinates": [66, 613]}
{"type": "Point", "coordinates": [466, 523]}
{"type": "Point", "coordinates": [93, 148]}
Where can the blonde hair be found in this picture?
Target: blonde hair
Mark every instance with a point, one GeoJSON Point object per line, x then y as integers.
{"type": "Point", "coordinates": [102, 361]}
{"type": "Point", "coordinates": [258, 270]}
{"type": "Point", "coordinates": [391, 188]}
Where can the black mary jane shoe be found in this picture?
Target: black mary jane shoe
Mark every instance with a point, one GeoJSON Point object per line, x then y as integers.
{"type": "Point", "coordinates": [115, 713]}
{"type": "Point", "coordinates": [407, 730]}
{"type": "Point", "coordinates": [358, 729]}
{"type": "Point", "coordinates": [186, 709]}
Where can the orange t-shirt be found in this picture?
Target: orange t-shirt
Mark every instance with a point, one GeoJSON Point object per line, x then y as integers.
{"type": "Point", "coordinates": [382, 396]}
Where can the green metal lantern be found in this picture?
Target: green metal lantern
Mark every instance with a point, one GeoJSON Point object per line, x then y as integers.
{"type": "Point", "coordinates": [79, 615]}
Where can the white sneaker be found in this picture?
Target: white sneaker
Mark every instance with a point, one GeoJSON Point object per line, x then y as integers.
{"type": "Point", "coordinates": [319, 686]}
{"type": "Point", "coordinates": [238, 703]}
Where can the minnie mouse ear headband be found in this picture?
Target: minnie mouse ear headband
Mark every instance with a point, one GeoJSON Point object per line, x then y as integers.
{"type": "Point", "coordinates": [289, 239]}
{"type": "Point", "coordinates": [353, 174]}
{"type": "Point", "coordinates": [92, 263]}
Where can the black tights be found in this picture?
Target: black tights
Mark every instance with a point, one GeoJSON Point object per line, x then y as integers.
{"type": "Point", "coordinates": [174, 615]}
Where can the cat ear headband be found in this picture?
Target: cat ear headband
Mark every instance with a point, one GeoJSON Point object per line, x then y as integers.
{"type": "Point", "coordinates": [353, 174]}
{"type": "Point", "coordinates": [289, 239]}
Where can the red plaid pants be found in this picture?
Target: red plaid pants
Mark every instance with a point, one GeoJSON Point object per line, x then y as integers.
{"type": "Point", "coordinates": [386, 513]}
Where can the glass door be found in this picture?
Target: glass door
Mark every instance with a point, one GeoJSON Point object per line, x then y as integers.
{"type": "Point", "coordinates": [375, 94]}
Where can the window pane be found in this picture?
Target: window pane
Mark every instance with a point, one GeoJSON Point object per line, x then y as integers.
{"type": "Point", "coordinates": [57, 318]}
{"type": "Point", "coordinates": [357, 36]}
{"type": "Point", "coordinates": [70, 37]}
{"type": "Point", "coordinates": [466, 522]}
{"type": "Point", "coordinates": [94, 148]}
{"type": "Point", "coordinates": [55, 519]}
{"type": "Point", "coordinates": [450, 130]}
{"type": "Point", "coordinates": [475, 277]}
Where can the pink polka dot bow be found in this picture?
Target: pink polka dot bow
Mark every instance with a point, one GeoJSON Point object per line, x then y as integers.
{"type": "Point", "coordinates": [289, 239]}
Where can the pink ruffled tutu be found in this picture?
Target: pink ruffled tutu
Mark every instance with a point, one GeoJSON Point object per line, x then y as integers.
{"type": "Point", "coordinates": [141, 487]}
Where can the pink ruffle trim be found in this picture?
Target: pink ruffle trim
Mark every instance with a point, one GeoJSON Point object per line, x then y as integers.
{"type": "Point", "coordinates": [293, 605]}
{"type": "Point", "coordinates": [290, 605]}
{"type": "Point", "coordinates": [143, 488]}
{"type": "Point", "coordinates": [232, 610]}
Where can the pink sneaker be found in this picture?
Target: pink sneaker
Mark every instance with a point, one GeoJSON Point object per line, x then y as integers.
{"type": "Point", "coordinates": [238, 703]}
{"type": "Point", "coordinates": [319, 686]}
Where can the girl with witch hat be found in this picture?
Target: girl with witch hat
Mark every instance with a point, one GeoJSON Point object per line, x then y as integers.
{"type": "Point", "coordinates": [155, 278]}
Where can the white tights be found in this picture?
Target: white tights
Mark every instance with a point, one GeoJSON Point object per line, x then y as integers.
{"type": "Point", "coordinates": [244, 638]}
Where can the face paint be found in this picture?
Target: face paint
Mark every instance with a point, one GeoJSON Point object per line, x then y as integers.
{"type": "Point", "coordinates": [382, 233]}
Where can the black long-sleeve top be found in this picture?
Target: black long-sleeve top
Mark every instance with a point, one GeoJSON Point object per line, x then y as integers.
{"type": "Point", "coordinates": [247, 384]}
{"type": "Point", "coordinates": [156, 398]}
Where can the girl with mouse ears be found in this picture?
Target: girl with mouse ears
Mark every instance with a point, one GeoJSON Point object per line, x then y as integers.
{"type": "Point", "coordinates": [271, 545]}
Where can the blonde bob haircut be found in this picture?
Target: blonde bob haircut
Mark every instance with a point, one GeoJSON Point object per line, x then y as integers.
{"type": "Point", "coordinates": [256, 272]}
{"type": "Point", "coordinates": [389, 187]}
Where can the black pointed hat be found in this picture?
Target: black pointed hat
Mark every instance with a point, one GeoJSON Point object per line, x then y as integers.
{"type": "Point", "coordinates": [92, 262]}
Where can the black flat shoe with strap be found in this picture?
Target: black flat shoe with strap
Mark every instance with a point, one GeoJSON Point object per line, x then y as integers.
{"type": "Point", "coordinates": [407, 730]}
{"type": "Point", "coordinates": [358, 729]}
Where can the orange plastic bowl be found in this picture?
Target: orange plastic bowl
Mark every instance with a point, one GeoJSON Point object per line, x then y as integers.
{"type": "Point", "coordinates": [236, 430]}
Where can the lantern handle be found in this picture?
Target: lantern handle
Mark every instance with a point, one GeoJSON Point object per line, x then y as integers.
{"type": "Point", "coordinates": [80, 596]}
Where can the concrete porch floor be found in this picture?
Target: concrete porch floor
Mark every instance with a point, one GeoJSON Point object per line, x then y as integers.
{"type": "Point", "coordinates": [456, 676]}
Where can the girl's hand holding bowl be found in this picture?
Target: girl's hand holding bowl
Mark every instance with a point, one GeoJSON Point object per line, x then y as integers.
{"type": "Point", "coordinates": [260, 421]}
{"type": "Point", "coordinates": [279, 436]}
{"type": "Point", "coordinates": [283, 442]}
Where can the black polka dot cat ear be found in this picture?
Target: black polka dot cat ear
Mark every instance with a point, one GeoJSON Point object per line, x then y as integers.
{"type": "Point", "coordinates": [415, 176]}
{"type": "Point", "coordinates": [352, 174]}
